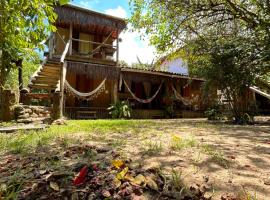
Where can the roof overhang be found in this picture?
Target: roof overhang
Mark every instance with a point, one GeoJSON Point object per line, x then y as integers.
{"type": "Point", "coordinates": [88, 20]}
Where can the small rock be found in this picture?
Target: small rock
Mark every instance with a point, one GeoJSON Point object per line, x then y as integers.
{"type": "Point", "coordinates": [266, 181]}
{"type": "Point", "coordinates": [106, 193]}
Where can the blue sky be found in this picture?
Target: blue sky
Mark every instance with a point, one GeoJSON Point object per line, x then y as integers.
{"type": "Point", "coordinates": [103, 5]}
{"type": "Point", "coordinates": [131, 46]}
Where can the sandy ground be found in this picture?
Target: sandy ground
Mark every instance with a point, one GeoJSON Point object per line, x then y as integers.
{"type": "Point", "coordinates": [238, 162]}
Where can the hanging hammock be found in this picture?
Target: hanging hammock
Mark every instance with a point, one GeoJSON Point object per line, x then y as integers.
{"type": "Point", "coordinates": [87, 96]}
{"type": "Point", "coordinates": [143, 100]}
{"type": "Point", "coordinates": [180, 98]}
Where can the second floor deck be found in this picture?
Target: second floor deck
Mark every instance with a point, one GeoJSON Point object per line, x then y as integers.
{"type": "Point", "coordinates": [93, 37]}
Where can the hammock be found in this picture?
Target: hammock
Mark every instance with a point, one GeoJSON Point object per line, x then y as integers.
{"type": "Point", "coordinates": [143, 100]}
{"type": "Point", "coordinates": [88, 96]}
{"type": "Point", "coordinates": [180, 98]}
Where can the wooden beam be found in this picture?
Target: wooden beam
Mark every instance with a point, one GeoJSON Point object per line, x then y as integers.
{"type": "Point", "coordinates": [20, 75]}
{"type": "Point", "coordinates": [51, 46]}
{"type": "Point", "coordinates": [62, 82]}
{"type": "Point", "coordinates": [117, 51]}
{"type": "Point", "coordinates": [70, 38]}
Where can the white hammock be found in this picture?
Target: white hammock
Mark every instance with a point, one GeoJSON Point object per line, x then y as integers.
{"type": "Point", "coordinates": [180, 98]}
{"type": "Point", "coordinates": [88, 96]}
{"type": "Point", "coordinates": [143, 100]}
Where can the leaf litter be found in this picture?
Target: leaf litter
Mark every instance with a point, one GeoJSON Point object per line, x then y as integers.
{"type": "Point", "coordinates": [73, 175]}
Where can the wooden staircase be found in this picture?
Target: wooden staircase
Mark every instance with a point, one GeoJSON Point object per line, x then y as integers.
{"type": "Point", "coordinates": [47, 77]}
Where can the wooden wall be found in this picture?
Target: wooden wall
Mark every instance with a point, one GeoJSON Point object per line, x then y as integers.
{"type": "Point", "coordinates": [84, 84]}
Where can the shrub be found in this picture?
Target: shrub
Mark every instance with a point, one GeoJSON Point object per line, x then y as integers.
{"type": "Point", "coordinates": [120, 110]}
{"type": "Point", "coordinates": [213, 113]}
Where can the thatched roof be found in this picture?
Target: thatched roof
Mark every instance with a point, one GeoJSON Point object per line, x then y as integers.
{"type": "Point", "coordinates": [85, 19]}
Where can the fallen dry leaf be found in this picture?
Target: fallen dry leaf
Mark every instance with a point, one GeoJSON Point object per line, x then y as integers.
{"type": "Point", "coordinates": [118, 164]}
{"type": "Point", "coordinates": [54, 186]}
{"type": "Point", "coordinates": [121, 175]}
{"type": "Point", "coordinates": [151, 183]}
{"type": "Point", "coordinates": [139, 180]}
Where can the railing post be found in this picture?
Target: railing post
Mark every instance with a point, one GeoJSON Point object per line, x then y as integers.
{"type": "Point", "coordinates": [51, 46]}
{"type": "Point", "coordinates": [62, 83]}
{"type": "Point", "coordinates": [117, 52]}
{"type": "Point", "coordinates": [70, 38]}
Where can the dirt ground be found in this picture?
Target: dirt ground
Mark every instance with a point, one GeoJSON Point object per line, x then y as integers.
{"type": "Point", "coordinates": [232, 159]}
{"type": "Point", "coordinates": [238, 160]}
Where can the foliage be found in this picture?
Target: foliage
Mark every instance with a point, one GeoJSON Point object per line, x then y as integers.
{"type": "Point", "coordinates": [120, 110]}
{"type": "Point", "coordinates": [24, 26]}
{"type": "Point", "coordinates": [140, 65]}
{"type": "Point", "coordinates": [29, 66]}
{"type": "Point", "coordinates": [214, 113]}
{"type": "Point", "coordinates": [224, 42]}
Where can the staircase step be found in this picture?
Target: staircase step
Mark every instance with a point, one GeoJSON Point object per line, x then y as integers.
{"type": "Point", "coordinates": [47, 82]}
{"type": "Point", "coordinates": [53, 65]}
{"type": "Point", "coordinates": [49, 74]}
{"type": "Point", "coordinates": [43, 86]}
{"type": "Point", "coordinates": [53, 69]}
{"type": "Point", "coordinates": [45, 78]}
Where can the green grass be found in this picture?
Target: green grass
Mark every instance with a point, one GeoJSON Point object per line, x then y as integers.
{"type": "Point", "coordinates": [153, 147]}
{"type": "Point", "coordinates": [179, 143]}
{"type": "Point", "coordinates": [23, 142]}
{"type": "Point", "coordinates": [216, 155]}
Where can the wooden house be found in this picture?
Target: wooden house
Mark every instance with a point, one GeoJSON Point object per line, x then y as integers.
{"type": "Point", "coordinates": [82, 68]}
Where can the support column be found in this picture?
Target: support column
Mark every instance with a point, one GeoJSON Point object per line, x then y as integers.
{"type": "Point", "coordinates": [115, 91]}
{"type": "Point", "coordinates": [117, 46]}
{"type": "Point", "coordinates": [51, 45]}
{"type": "Point", "coordinates": [70, 38]}
{"type": "Point", "coordinates": [62, 82]}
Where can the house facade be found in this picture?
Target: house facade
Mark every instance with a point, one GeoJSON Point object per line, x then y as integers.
{"type": "Point", "coordinates": [82, 67]}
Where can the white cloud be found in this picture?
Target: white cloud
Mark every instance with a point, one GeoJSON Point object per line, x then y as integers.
{"type": "Point", "coordinates": [117, 12]}
{"type": "Point", "coordinates": [132, 46]}
{"type": "Point", "coordinates": [87, 4]}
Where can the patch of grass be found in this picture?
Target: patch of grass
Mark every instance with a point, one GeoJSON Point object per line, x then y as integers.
{"type": "Point", "coordinates": [27, 141]}
{"type": "Point", "coordinates": [153, 147]}
{"type": "Point", "coordinates": [177, 180]}
{"type": "Point", "coordinates": [178, 143]}
{"type": "Point", "coordinates": [10, 190]}
{"type": "Point", "coordinates": [116, 143]}
{"type": "Point", "coordinates": [216, 155]}
{"type": "Point", "coordinates": [90, 154]}
{"type": "Point", "coordinates": [246, 195]}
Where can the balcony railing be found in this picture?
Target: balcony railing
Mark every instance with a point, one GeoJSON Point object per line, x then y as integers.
{"type": "Point", "coordinates": [84, 49]}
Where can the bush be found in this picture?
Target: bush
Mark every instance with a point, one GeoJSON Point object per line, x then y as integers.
{"type": "Point", "coordinates": [120, 110]}
{"type": "Point", "coordinates": [213, 113]}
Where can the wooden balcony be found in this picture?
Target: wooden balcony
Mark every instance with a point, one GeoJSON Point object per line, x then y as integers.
{"type": "Point", "coordinates": [103, 52]}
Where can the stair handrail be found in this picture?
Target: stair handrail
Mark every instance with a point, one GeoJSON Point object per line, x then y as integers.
{"type": "Point", "coordinates": [65, 52]}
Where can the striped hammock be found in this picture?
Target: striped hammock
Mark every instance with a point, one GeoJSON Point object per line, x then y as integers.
{"type": "Point", "coordinates": [180, 98]}
{"type": "Point", "coordinates": [149, 100]}
{"type": "Point", "coordinates": [86, 96]}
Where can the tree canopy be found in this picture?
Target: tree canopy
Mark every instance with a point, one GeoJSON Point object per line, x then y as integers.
{"type": "Point", "coordinates": [227, 42]}
{"type": "Point", "coordinates": [24, 26]}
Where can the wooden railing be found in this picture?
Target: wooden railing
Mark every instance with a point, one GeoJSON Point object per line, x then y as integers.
{"type": "Point", "coordinates": [99, 47]}
{"type": "Point", "coordinates": [103, 49]}
{"type": "Point", "coordinates": [62, 59]}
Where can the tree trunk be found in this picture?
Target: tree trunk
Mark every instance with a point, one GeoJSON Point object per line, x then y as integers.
{"type": "Point", "coordinates": [20, 76]}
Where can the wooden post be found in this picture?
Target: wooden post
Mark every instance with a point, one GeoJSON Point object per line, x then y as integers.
{"type": "Point", "coordinates": [62, 82]}
{"type": "Point", "coordinates": [51, 46]}
{"type": "Point", "coordinates": [115, 91]}
{"type": "Point", "coordinates": [117, 46]}
{"type": "Point", "coordinates": [56, 106]}
{"type": "Point", "coordinates": [20, 76]}
{"type": "Point", "coordinates": [70, 38]}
